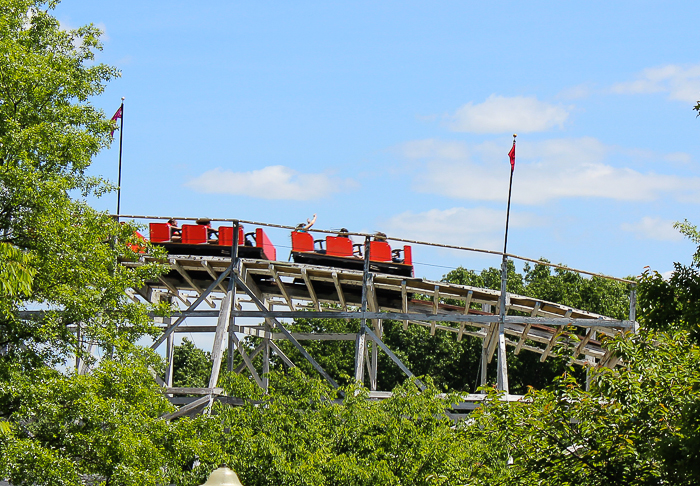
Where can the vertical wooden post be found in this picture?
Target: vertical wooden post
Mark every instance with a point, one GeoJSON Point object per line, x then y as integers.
{"type": "Point", "coordinates": [232, 289]}
{"type": "Point", "coordinates": [266, 351]}
{"type": "Point", "coordinates": [361, 340]}
{"type": "Point", "coordinates": [378, 330]}
{"type": "Point", "coordinates": [484, 352]}
{"type": "Point", "coordinates": [169, 345]}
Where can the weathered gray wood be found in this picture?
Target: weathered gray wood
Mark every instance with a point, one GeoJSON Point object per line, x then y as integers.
{"type": "Point", "coordinates": [281, 354]}
{"type": "Point", "coordinates": [248, 362]}
{"type": "Point", "coordinates": [190, 407]}
{"type": "Point", "coordinates": [360, 350]}
{"type": "Point", "coordinates": [193, 391]}
{"type": "Point", "coordinates": [523, 336]}
{"type": "Point", "coordinates": [173, 290]}
{"type": "Point", "coordinates": [393, 357]}
{"type": "Point", "coordinates": [253, 354]}
{"type": "Point", "coordinates": [192, 307]}
{"type": "Point", "coordinates": [404, 303]}
{"type": "Point", "coordinates": [361, 341]}
{"type": "Point", "coordinates": [400, 316]}
{"type": "Point", "coordinates": [370, 371]}
{"type": "Point", "coordinates": [247, 289]}
{"type": "Point", "coordinates": [169, 357]}
{"type": "Point", "coordinates": [310, 287]}
{"type": "Point", "coordinates": [436, 306]}
{"type": "Point", "coordinates": [582, 344]}
{"type": "Point", "coordinates": [281, 286]}
{"type": "Point", "coordinates": [379, 331]}
{"type": "Point", "coordinates": [553, 341]}
{"type": "Point", "coordinates": [484, 364]}
{"type": "Point", "coordinates": [217, 350]}
{"type": "Point", "coordinates": [467, 305]}
{"type": "Point", "coordinates": [339, 291]}
{"type": "Point", "coordinates": [212, 273]}
{"type": "Point", "coordinates": [492, 338]}
{"type": "Point", "coordinates": [188, 279]}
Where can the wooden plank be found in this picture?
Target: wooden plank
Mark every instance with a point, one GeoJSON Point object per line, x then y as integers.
{"type": "Point", "coordinates": [370, 371]}
{"type": "Point", "coordinates": [190, 407]}
{"type": "Point", "coordinates": [467, 304]}
{"type": "Point", "coordinates": [217, 349]}
{"type": "Point", "coordinates": [193, 391]}
{"type": "Point", "coordinates": [400, 316]}
{"type": "Point", "coordinates": [281, 286]}
{"type": "Point", "coordinates": [192, 307]}
{"type": "Point", "coordinates": [248, 361]}
{"type": "Point", "coordinates": [251, 356]}
{"type": "Point", "coordinates": [553, 341]}
{"type": "Point", "coordinates": [394, 358]}
{"type": "Point", "coordinates": [360, 350]}
{"type": "Point", "coordinates": [310, 287]}
{"type": "Point", "coordinates": [523, 336]}
{"type": "Point", "coordinates": [339, 291]}
{"type": "Point", "coordinates": [212, 274]}
{"type": "Point", "coordinates": [281, 354]}
{"type": "Point", "coordinates": [248, 290]}
{"type": "Point", "coordinates": [173, 290]}
{"type": "Point", "coordinates": [189, 280]}
{"type": "Point", "coordinates": [404, 303]}
{"type": "Point", "coordinates": [436, 306]}
{"type": "Point", "coordinates": [583, 342]}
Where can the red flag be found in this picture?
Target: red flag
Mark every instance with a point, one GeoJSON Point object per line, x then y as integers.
{"type": "Point", "coordinates": [116, 117]}
{"type": "Point", "coordinates": [511, 154]}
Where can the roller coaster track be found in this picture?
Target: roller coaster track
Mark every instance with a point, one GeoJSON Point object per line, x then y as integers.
{"type": "Point", "coordinates": [250, 297]}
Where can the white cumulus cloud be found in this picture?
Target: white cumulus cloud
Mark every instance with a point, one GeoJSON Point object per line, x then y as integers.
{"type": "Point", "coordinates": [471, 227]}
{"type": "Point", "coordinates": [682, 83]}
{"type": "Point", "coordinates": [500, 114]}
{"type": "Point", "coordinates": [653, 229]}
{"type": "Point", "coordinates": [545, 171]}
{"type": "Point", "coordinates": [272, 182]}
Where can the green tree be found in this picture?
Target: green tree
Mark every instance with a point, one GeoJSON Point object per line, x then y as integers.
{"type": "Point", "coordinates": [674, 303]}
{"type": "Point", "coordinates": [191, 365]}
{"type": "Point", "coordinates": [60, 255]}
{"type": "Point", "coordinates": [54, 248]}
{"type": "Point", "coordinates": [638, 424]}
{"type": "Point", "coordinates": [304, 433]}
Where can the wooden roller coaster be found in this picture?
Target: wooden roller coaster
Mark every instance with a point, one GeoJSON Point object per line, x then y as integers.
{"type": "Point", "coordinates": [238, 283]}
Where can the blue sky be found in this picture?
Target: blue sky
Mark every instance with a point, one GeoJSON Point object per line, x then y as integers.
{"type": "Point", "coordinates": [398, 117]}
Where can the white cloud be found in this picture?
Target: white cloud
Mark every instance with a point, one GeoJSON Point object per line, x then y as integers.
{"type": "Point", "coordinates": [471, 227]}
{"type": "Point", "coordinates": [653, 229]}
{"type": "Point", "coordinates": [500, 114]}
{"type": "Point", "coordinates": [682, 83]}
{"type": "Point", "coordinates": [547, 170]}
{"type": "Point", "coordinates": [272, 182]}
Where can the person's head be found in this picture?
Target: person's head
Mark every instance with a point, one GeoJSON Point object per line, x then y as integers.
{"type": "Point", "coordinates": [344, 233]}
{"type": "Point", "coordinates": [379, 236]}
{"type": "Point", "coordinates": [172, 222]}
{"type": "Point", "coordinates": [204, 221]}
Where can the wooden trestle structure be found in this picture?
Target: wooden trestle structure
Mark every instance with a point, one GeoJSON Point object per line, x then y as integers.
{"type": "Point", "coordinates": [235, 288]}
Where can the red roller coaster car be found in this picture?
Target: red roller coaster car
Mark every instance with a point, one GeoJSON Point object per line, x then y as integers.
{"type": "Point", "coordinates": [334, 251]}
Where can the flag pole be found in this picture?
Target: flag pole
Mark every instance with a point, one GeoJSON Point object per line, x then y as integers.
{"type": "Point", "coordinates": [121, 139]}
{"type": "Point", "coordinates": [502, 383]}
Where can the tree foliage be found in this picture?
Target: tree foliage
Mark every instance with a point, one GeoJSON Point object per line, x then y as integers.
{"type": "Point", "coordinates": [55, 250]}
